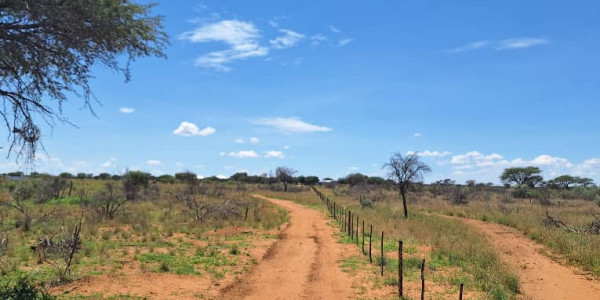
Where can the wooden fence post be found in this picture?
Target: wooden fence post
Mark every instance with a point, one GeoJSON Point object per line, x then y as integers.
{"type": "Point", "coordinates": [357, 231]}
{"type": "Point", "coordinates": [363, 240]}
{"type": "Point", "coordinates": [460, 291]}
{"type": "Point", "coordinates": [334, 211]}
{"type": "Point", "coordinates": [423, 280]}
{"type": "Point", "coordinates": [400, 275]}
{"type": "Point", "coordinates": [382, 254]}
{"type": "Point", "coordinates": [370, 238]}
{"type": "Point", "coordinates": [350, 224]}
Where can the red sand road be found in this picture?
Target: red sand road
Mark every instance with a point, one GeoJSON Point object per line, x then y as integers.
{"type": "Point", "coordinates": [303, 264]}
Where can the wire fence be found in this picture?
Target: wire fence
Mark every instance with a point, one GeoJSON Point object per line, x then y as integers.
{"type": "Point", "coordinates": [349, 224]}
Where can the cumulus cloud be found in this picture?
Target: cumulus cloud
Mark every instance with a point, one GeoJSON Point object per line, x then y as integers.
{"type": "Point", "coordinates": [254, 140]}
{"type": "Point", "coordinates": [244, 154]}
{"type": "Point", "coordinates": [274, 154]}
{"type": "Point", "coordinates": [499, 45]}
{"type": "Point", "coordinates": [287, 40]}
{"type": "Point", "coordinates": [428, 153]}
{"type": "Point", "coordinates": [241, 37]}
{"type": "Point", "coordinates": [126, 110]}
{"type": "Point", "coordinates": [154, 162]}
{"type": "Point", "coordinates": [191, 129]}
{"type": "Point", "coordinates": [290, 125]}
{"type": "Point", "coordinates": [474, 163]}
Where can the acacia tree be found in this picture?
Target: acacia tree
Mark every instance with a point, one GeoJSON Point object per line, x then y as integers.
{"type": "Point", "coordinates": [405, 171]}
{"type": "Point", "coordinates": [285, 175]}
{"type": "Point", "coordinates": [529, 176]}
{"type": "Point", "coordinates": [48, 48]}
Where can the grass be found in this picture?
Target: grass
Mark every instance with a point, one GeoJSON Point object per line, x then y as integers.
{"type": "Point", "coordinates": [445, 244]}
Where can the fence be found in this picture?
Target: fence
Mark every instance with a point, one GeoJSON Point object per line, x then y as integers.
{"type": "Point", "coordinates": [346, 219]}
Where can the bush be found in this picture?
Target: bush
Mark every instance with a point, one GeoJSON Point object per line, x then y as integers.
{"type": "Point", "coordinates": [23, 290]}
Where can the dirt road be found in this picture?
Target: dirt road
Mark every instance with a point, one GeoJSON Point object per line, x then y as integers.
{"type": "Point", "coordinates": [540, 276]}
{"type": "Point", "coordinates": [303, 264]}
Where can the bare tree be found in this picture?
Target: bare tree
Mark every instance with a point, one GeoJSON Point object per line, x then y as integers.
{"type": "Point", "coordinates": [405, 171]}
{"type": "Point", "coordinates": [108, 201]}
{"type": "Point", "coordinates": [285, 175]}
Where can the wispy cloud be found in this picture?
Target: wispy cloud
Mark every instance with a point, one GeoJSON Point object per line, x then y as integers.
{"type": "Point", "coordinates": [334, 29]}
{"type": "Point", "coordinates": [344, 42]}
{"type": "Point", "coordinates": [287, 40]}
{"type": "Point", "coordinates": [254, 140]}
{"type": "Point", "coordinates": [126, 110]}
{"type": "Point", "coordinates": [154, 162]}
{"type": "Point", "coordinates": [499, 45]}
{"type": "Point", "coordinates": [191, 129]}
{"type": "Point", "coordinates": [241, 37]}
{"type": "Point", "coordinates": [244, 154]}
{"type": "Point", "coordinates": [417, 135]}
{"type": "Point", "coordinates": [317, 39]}
{"type": "Point", "coordinates": [290, 125]}
{"type": "Point", "coordinates": [521, 43]}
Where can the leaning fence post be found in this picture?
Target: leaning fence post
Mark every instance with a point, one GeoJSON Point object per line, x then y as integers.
{"type": "Point", "coordinates": [423, 280]}
{"type": "Point", "coordinates": [460, 291]}
{"type": "Point", "coordinates": [382, 259]}
{"type": "Point", "coordinates": [370, 238]}
{"type": "Point", "coordinates": [400, 275]}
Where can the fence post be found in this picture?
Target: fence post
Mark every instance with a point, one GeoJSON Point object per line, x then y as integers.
{"type": "Point", "coordinates": [382, 254]}
{"type": "Point", "coordinates": [423, 280]}
{"type": "Point", "coordinates": [334, 211]}
{"type": "Point", "coordinates": [460, 291]}
{"type": "Point", "coordinates": [357, 230]}
{"type": "Point", "coordinates": [400, 275]}
{"type": "Point", "coordinates": [370, 238]}
{"type": "Point", "coordinates": [363, 240]}
{"type": "Point", "coordinates": [349, 229]}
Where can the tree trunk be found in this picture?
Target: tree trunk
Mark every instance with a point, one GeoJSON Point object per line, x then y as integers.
{"type": "Point", "coordinates": [285, 186]}
{"type": "Point", "coordinates": [403, 193]}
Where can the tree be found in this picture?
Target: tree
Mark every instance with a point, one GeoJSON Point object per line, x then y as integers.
{"type": "Point", "coordinates": [133, 182]}
{"type": "Point", "coordinates": [564, 181]}
{"type": "Point", "coordinates": [585, 182]}
{"type": "Point", "coordinates": [529, 176]}
{"type": "Point", "coordinates": [405, 171]}
{"type": "Point", "coordinates": [48, 49]}
{"type": "Point", "coordinates": [108, 201]}
{"type": "Point", "coordinates": [285, 175]}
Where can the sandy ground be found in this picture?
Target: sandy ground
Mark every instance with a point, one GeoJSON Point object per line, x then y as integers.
{"type": "Point", "coordinates": [540, 276]}
{"type": "Point", "coordinates": [303, 264]}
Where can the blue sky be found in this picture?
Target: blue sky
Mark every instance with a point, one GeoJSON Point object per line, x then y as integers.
{"type": "Point", "coordinates": [333, 87]}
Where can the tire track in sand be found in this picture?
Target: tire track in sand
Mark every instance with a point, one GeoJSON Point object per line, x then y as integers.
{"type": "Point", "coordinates": [303, 264]}
{"type": "Point", "coordinates": [540, 277]}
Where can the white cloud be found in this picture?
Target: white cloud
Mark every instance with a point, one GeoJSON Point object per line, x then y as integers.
{"type": "Point", "coordinates": [521, 43]}
{"type": "Point", "coordinates": [221, 176]}
{"type": "Point", "coordinates": [274, 154]}
{"type": "Point", "coordinates": [507, 44]}
{"type": "Point", "coordinates": [286, 147]}
{"type": "Point", "coordinates": [254, 140]}
{"type": "Point", "coordinates": [317, 39]}
{"type": "Point", "coordinates": [273, 23]}
{"type": "Point", "coordinates": [417, 135]}
{"type": "Point", "coordinates": [222, 153]}
{"type": "Point", "coordinates": [287, 40]}
{"type": "Point", "coordinates": [474, 157]}
{"type": "Point", "coordinates": [334, 29]}
{"type": "Point", "coordinates": [154, 162]}
{"type": "Point", "coordinates": [244, 154]}
{"type": "Point", "coordinates": [471, 46]}
{"type": "Point", "coordinates": [241, 37]}
{"type": "Point", "coordinates": [126, 110]}
{"type": "Point", "coordinates": [290, 125]}
{"type": "Point", "coordinates": [239, 141]}
{"type": "Point", "coordinates": [191, 129]}
{"type": "Point", "coordinates": [428, 153]}
{"type": "Point", "coordinates": [344, 42]}
{"type": "Point", "coordinates": [111, 162]}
